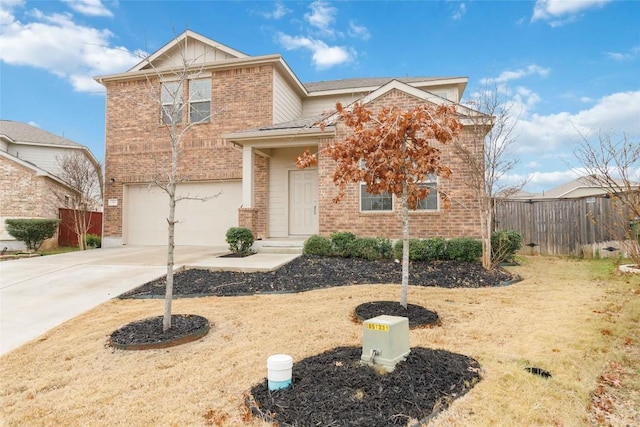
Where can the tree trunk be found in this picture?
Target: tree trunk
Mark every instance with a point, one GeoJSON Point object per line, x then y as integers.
{"type": "Point", "coordinates": [168, 297]}
{"type": "Point", "coordinates": [405, 246]}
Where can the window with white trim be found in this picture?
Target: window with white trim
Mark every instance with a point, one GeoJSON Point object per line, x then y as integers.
{"type": "Point", "coordinates": [375, 202]}
{"type": "Point", "coordinates": [200, 100]}
{"type": "Point", "coordinates": [171, 98]}
{"type": "Point", "coordinates": [429, 203]}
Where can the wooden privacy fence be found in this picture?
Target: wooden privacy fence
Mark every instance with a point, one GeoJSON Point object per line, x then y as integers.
{"type": "Point", "coordinates": [66, 230]}
{"type": "Point", "coordinates": [560, 226]}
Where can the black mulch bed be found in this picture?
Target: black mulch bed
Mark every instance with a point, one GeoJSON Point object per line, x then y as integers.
{"type": "Point", "coordinates": [148, 334]}
{"type": "Point", "coordinates": [418, 316]}
{"type": "Point", "coordinates": [333, 389]}
{"type": "Point", "coordinates": [310, 272]}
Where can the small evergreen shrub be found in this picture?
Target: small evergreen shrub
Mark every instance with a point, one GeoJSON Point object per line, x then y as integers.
{"type": "Point", "coordinates": [435, 249]}
{"type": "Point", "coordinates": [341, 241]}
{"type": "Point", "coordinates": [415, 249]}
{"type": "Point", "coordinates": [370, 248]}
{"type": "Point", "coordinates": [240, 240]}
{"type": "Point", "coordinates": [384, 247]}
{"type": "Point", "coordinates": [432, 249]}
{"type": "Point", "coordinates": [318, 245]}
{"type": "Point", "coordinates": [504, 245]}
{"type": "Point", "coordinates": [463, 249]}
{"type": "Point", "coordinates": [32, 231]}
{"type": "Point", "coordinates": [93, 241]}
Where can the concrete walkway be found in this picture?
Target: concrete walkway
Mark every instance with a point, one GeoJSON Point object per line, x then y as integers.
{"type": "Point", "coordinates": [37, 294]}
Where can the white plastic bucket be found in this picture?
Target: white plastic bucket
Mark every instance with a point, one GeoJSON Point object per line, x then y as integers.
{"type": "Point", "coordinates": [279, 367]}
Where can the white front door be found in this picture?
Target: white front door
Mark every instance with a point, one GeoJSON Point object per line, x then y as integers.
{"type": "Point", "coordinates": [303, 202]}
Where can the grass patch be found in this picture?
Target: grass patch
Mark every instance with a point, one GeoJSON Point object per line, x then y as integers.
{"type": "Point", "coordinates": [60, 250]}
{"type": "Point", "coordinates": [568, 317]}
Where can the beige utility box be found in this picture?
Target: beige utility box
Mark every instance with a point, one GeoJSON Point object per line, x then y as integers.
{"type": "Point", "coordinates": [385, 341]}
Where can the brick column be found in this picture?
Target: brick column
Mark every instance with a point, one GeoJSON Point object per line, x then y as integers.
{"type": "Point", "coordinates": [248, 218]}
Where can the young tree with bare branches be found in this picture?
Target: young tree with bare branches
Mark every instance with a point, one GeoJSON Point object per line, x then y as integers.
{"type": "Point", "coordinates": [173, 90]}
{"type": "Point", "coordinates": [611, 161]}
{"type": "Point", "coordinates": [84, 181]}
{"type": "Point", "coordinates": [493, 124]}
{"type": "Point", "coordinates": [392, 151]}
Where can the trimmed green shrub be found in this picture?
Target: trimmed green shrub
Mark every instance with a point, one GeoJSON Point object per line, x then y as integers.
{"type": "Point", "coordinates": [435, 249]}
{"type": "Point", "coordinates": [32, 231]}
{"type": "Point", "coordinates": [384, 247]}
{"type": "Point", "coordinates": [432, 249]}
{"type": "Point", "coordinates": [240, 240]}
{"type": "Point", "coordinates": [93, 241]}
{"type": "Point", "coordinates": [318, 245]}
{"type": "Point", "coordinates": [370, 248]}
{"type": "Point", "coordinates": [414, 249]}
{"type": "Point", "coordinates": [464, 249]}
{"type": "Point", "coordinates": [504, 245]}
{"type": "Point", "coordinates": [341, 241]}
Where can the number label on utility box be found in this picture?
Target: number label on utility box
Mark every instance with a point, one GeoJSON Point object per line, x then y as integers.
{"type": "Point", "coordinates": [378, 327]}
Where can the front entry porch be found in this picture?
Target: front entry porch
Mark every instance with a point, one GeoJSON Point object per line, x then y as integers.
{"type": "Point", "coordinates": [281, 203]}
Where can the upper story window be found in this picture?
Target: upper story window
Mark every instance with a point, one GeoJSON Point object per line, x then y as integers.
{"type": "Point", "coordinates": [199, 100]}
{"type": "Point", "coordinates": [171, 102]}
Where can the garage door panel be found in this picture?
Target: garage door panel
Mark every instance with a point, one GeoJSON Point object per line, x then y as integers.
{"type": "Point", "coordinates": [200, 223]}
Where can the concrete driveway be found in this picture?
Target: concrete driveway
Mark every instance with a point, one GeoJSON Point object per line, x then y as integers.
{"type": "Point", "coordinates": [37, 294]}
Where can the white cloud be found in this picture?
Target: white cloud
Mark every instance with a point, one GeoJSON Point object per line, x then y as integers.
{"type": "Point", "coordinates": [554, 133]}
{"type": "Point", "coordinates": [560, 12]}
{"type": "Point", "coordinates": [324, 56]}
{"type": "Point", "coordinates": [624, 56]}
{"type": "Point", "coordinates": [529, 70]}
{"type": "Point", "coordinates": [459, 12]}
{"type": "Point", "coordinates": [322, 16]}
{"type": "Point", "coordinates": [89, 7]}
{"type": "Point", "coordinates": [359, 31]}
{"type": "Point", "coordinates": [57, 44]}
{"type": "Point", "coordinates": [279, 11]}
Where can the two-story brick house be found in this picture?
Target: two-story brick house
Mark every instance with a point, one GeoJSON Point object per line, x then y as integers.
{"type": "Point", "coordinates": [261, 118]}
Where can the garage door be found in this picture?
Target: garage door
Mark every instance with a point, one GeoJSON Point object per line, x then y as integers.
{"type": "Point", "coordinates": [201, 223]}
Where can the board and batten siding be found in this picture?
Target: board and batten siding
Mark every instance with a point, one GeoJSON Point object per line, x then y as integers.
{"type": "Point", "coordinates": [287, 105]}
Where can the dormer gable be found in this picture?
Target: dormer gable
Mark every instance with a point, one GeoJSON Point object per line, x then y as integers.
{"type": "Point", "coordinates": [197, 49]}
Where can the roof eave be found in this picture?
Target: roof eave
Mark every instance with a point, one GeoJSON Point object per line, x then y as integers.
{"type": "Point", "coordinates": [217, 65]}
{"type": "Point", "coordinates": [241, 137]}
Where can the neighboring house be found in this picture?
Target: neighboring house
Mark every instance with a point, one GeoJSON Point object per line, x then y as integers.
{"type": "Point", "coordinates": [29, 174]}
{"type": "Point", "coordinates": [585, 186]}
{"type": "Point", "coordinates": [262, 118]}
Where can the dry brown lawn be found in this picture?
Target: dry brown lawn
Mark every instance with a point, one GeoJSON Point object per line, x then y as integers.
{"type": "Point", "coordinates": [570, 317]}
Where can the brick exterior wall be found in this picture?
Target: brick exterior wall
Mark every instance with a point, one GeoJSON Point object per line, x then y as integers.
{"type": "Point", "coordinates": [461, 219]}
{"type": "Point", "coordinates": [25, 195]}
{"type": "Point", "coordinates": [137, 146]}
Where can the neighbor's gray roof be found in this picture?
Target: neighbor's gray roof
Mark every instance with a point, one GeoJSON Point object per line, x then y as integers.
{"type": "Point", "coordinates": [23, 133]}
{"type": "Point", "coordinates": [365, 82]}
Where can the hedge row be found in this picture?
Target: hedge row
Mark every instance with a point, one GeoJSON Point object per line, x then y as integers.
{"type": "Point", "coordinates": [345, 244]}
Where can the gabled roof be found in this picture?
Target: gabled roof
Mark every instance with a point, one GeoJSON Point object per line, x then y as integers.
{"type": "Point", "coordinates": [418, 93]}
{"type": "Point", "coordinates": [584, 186]}
{"type": "Point", "coordinates": [211, 47]}
{"type": "Point", "coordinates": [36, 170]}
{"type": "Point", "coordinates": [22, 133]}
{"type": "Point", "coordinates": [312, 124]}
{"type": "Point", "coordinates": [368, 84]}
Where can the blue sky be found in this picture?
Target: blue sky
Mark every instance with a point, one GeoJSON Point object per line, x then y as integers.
{"type": "Point", "coordinates": [563, 65]}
